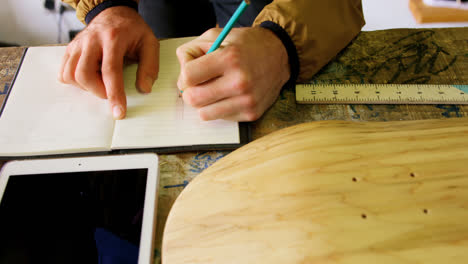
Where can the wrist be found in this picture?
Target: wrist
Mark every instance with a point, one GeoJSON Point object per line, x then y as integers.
{"type": "Point", "coordinates": [281, 58]}
{"type": "Point", "coordinates": [288, 45]}
{"type": "Point", "coordinates": [110, 4]}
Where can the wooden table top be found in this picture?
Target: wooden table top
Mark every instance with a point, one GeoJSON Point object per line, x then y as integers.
{"type": "Point", "coordinates": [430, 56]}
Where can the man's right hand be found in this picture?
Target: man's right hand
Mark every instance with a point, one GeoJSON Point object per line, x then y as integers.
{"type": "Point", "coordinates": [94, 59]}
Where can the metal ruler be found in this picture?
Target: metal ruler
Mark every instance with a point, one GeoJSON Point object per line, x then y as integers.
{"type": "Point", "coordinates": [381, 94]}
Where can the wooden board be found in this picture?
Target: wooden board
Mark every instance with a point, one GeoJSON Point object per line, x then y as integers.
{"type": "Point", "coordinates": [330, 192]}
{"type": "Point", "coordinates": [430, 14]}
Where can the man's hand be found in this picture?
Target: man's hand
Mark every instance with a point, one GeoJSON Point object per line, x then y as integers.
{"type": "Point", "coordinates": [240, 80]}
{"type": "Point", "coordinates": [94, 59]}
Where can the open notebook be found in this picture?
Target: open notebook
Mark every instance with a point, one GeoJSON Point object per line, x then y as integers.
{"type": "Point", "coordinates": [42, 116]}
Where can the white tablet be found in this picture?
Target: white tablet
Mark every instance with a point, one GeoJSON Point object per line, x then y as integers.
{"type": "Point", "coordinates": [79, 210]}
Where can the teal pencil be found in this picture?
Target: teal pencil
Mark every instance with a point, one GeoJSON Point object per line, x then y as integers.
{"type": "Point", "coordinates": [228, 27]}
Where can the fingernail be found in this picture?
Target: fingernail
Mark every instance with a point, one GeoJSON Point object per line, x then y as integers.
{"type": "Point", "coordinates": [149, 84]}
{"type": "Point", "coordinates": [117, 111]}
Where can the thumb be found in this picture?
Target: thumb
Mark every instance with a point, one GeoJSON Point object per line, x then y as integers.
{"type": "Point", "coordinates": [148, 66]}
{"type": "Point", "coordinates": [192, 50]}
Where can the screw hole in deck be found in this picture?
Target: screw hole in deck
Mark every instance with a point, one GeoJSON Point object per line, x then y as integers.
{"type": "Point", "coordinates": [412, 174]}
{"type": "Point", "coordinates": [363, 216]}
{"type": "Point", "coordinates": [354, 179]}
{"type": "Point", "coordinates": [425, 211]}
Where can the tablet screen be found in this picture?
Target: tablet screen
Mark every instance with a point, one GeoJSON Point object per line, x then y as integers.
{"type": "Point", "coordinates": [79, 217]}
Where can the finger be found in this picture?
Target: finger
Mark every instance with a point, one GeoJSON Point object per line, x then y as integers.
{"type": "Point", "coordinates": [211, 35]}
{"type": "Point", "coordinates": [210, 92]}
{"type": "Point", "coordinates": [70, 67]}
{"type": "Point", "coordinates": [192, 50]}
{"type": "Point", "coordinates": [112, 76]}
{"type": "Point", "coordinates": [88, 73]}
{"type": "Point", "coordinates": [200, 70]}
{"type": "Point", "coordinates": [148, 65]}
{"type": "Point", "coordinates": [62, 67]}
{"type": "Point", "coordinates": [239, 108]}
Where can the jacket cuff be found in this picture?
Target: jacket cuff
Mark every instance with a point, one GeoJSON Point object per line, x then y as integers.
{"type": "Point", "coordinates": [106, 4]}
{"type": "Point", "coordinates": [290, 48]}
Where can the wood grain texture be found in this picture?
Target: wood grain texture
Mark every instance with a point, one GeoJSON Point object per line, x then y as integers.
{"type": "Point", "coordinates": [430, 14]}
{"type": "Point", "coordinates": [330, 192]}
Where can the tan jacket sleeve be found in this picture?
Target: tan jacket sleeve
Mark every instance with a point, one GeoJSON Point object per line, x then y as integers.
{"type": "Point", "coordinates": [83, 7]}
{"type": "Point", "coordinates": [319, 29]}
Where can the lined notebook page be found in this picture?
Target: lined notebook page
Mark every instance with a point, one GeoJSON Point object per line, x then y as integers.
{"type": "Point", "coordinates": [161, 119]}
{"type": "Point", "coordinates": [44, 116]}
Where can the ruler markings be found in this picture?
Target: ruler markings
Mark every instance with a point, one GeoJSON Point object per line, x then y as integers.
{"type": "Point", "coordinates": [382, 93]}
